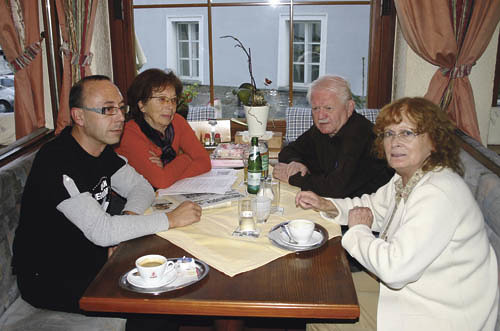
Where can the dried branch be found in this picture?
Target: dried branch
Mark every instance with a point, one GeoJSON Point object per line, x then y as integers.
{"type": "Point", "coordinates": [249, 56]}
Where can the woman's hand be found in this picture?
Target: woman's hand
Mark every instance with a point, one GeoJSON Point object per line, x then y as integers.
{"type": "Point", "coordinates": [360, 215]}
{"type": "Point", "coordinates": [310, 200]}
{"type": "Point", "coordinates": [155, 159]}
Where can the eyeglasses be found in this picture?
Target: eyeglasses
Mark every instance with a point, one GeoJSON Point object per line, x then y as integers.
{"type": "Point", "coordinates": [327, 109]}
{"type": "Point", "coordinates": [108, 110]}
{"type": "Point", "coordinates": [166, 100]}
{"type": "Point", "coordinates": [404, 135]}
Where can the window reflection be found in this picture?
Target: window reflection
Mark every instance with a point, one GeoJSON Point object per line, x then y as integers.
{"type": "Point", "coordinates": [7, 131]}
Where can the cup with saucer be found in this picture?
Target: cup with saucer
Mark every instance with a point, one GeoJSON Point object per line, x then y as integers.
{"type": "Point", "coordinates": [152, 271]}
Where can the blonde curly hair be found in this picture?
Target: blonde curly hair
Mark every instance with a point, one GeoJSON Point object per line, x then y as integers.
{"type": "Point", "coordinates": [428, 118]}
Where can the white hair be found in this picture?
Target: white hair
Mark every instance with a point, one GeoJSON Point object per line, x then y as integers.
{"type": "Point", "coordinates": [335, 84]}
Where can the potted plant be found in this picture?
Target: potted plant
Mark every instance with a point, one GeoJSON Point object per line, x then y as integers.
{"type": "Point", "coordinates": [188, 94]}
{"type": "Point", "coordinates": [254, 103]}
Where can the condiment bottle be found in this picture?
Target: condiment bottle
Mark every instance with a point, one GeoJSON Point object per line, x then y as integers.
{"type": "Point", "coordinates": [206, 140]}
{"type": "Point", "coordinates": [254, 167]}
{"type": "Point", "coordinates": [217, 138]}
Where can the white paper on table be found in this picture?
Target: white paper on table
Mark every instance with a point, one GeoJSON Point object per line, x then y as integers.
{"type": "Point", "coordinates": [215, 181]}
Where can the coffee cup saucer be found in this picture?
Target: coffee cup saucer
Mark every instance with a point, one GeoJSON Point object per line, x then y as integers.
{"type": "Point", "coordinates": [315, 239]}
{"type": "Point", "coordinates": [135, 279]}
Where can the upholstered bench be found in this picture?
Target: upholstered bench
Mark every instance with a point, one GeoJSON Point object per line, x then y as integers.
{"type": "Point", "coordinates": [15, 313]}
{"type": "Point", "coordinates": [299, 120]}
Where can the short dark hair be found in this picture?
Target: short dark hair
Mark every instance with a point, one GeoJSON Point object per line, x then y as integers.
{"type": "Point", "coordinates": [145, 84]}
{"type": "Point", "coordinates": [428, 118]}
{"type": "Point", "coordinates": [76, 95]}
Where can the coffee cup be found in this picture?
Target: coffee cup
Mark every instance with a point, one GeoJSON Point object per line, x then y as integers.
{"type": "Point", "coordinates": [301, 230]}
{"type": "Point", "coordinates": [153, 267]}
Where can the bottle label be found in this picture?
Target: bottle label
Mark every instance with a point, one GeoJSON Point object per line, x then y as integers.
{"type": "Point", "coordinates": [253, 181]}
{"type": "Point", "coordinates": [265, 161]}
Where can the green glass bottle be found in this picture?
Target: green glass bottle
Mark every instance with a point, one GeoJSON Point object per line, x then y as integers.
{"type": "Point", "coordinates": [254, 167]}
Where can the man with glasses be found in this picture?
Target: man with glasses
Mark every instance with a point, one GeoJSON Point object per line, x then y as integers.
{"type": "Point", "coordinates": [333, 158]}
{"type": "Point", "coordinates": [65, 234]}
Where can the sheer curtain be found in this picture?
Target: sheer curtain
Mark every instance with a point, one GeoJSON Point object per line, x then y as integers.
{"type": "Point", "coordinates": [451, 34]}
{"type": "Point", "coordinates": [76, 20]}
{"type": "Point", "coordinates": [21, 42]}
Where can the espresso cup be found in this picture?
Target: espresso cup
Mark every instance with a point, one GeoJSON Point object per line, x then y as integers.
{"type": "Point", "coordinates": [153, 267]}
{"type": "Point", "coordinates": [301, 230]}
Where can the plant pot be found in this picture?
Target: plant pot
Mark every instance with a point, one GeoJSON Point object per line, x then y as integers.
{"type": "Point", "coordinates": [256, 120]}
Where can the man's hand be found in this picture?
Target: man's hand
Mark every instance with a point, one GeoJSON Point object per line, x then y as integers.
{"type": "Point", "coordinates": [155, 159]}
{"type": "Point", "coordinates": [360, 215]}
{"type": "Point", "coordinates": [310, 200]}
{"type": "Point", "coordinates": [283, 171]}
{"type": "Point", "coordinates": [295, 167]}
{"type": "Point", "coordinates": [186, 213]}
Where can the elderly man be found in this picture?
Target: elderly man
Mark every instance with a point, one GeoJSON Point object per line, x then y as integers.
{"type": "Point", "coordinates": [64, 231]}
{"type": "Point", "coordinates": [333, 158]}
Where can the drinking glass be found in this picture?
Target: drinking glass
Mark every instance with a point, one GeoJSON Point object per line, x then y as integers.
{"type": "Point", "coordinates": [262, 208]}
{"type": "Point", "coordinates": [270, 188]}
{"type": "Point", "coordinates": [246, 216]}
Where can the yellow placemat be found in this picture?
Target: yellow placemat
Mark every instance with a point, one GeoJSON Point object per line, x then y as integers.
{"type": "Point", "coordinates": [210, 240]}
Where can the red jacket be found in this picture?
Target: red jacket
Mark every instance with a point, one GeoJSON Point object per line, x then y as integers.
{"type": "Point", "coordinates": [192, 161]}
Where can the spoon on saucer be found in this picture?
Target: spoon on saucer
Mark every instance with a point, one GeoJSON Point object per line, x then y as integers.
{"type": "Point", "coordinates": [291, 240]}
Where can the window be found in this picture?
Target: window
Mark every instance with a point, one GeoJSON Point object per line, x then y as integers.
{"type": "Point", "coordinates": [306, 52]}
{"type": "Point", "coordinates": [183, 43]}
{"type": "Point", "coordinates": [188, 59]}
{"type": "Point", "coordinates": [355, 41]}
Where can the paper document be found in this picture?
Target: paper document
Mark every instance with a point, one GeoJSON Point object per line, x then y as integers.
{"type": "Point", "coordinates": [215, 181]}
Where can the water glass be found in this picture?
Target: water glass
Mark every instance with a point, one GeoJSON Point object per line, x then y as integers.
{"type": "Point", "coordinates": [270, 188]}
{"type": "Point", "coordinates": [246, 215]}
{"type": "Point", "coordinates": [262, 208]}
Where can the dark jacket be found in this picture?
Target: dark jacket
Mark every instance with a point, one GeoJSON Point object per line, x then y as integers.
{"type": "Point", "coordinates": [340, 166]}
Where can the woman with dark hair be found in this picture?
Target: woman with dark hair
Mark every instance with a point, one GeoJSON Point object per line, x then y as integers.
{"type": "Point", "coordinates": [436, 267]}
{"type": "Point", "coordinates": [157, 142]}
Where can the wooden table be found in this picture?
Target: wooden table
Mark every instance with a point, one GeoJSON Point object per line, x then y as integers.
{"type": "Point", "coordinates": [309, 285]}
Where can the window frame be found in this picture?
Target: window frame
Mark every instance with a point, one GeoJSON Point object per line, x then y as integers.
{"type": "Point", "coordinates": [307, 20]}
{"type": "Point", "coordinates": [37, 138]}
{"type": "Point", "coordinates": [173, 54]}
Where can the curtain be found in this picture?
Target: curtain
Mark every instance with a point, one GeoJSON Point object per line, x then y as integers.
{"type": "Point", "coordinates": [451, 34]}
{"type": "Point", "coordinates": [21, 42]}
{"type": "Point", "coordinates": [76, 20]}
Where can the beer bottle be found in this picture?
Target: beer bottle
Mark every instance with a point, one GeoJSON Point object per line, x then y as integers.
{"type": "Point", "coordinates": [264, 154]}
{"type": "Point", "coordinates": [254, 167]}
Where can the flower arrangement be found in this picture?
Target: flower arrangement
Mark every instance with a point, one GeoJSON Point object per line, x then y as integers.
{"type": "Point", "coordinates": [188, 94]}
{"type": "Point", "coordinates": [248, 93]}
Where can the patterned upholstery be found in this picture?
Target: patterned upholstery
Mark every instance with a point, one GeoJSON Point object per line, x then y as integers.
{"type": "Point", "coordinates": [12, 180]}
{"type": "Point", "coordinates": [299, 120]}
{"type": "Point", "coordinates": [200, 113]}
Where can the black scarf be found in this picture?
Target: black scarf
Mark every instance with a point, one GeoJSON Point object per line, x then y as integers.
{"type": "Point", "coordinates": [162, 140]}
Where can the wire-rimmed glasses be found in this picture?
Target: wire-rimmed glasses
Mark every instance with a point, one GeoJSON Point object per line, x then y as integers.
{"type": "Point", "coordinates": [404, 135]}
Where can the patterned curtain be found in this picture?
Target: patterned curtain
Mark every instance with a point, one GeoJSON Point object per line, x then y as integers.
{"type": "Point", "coordinates": [451, 34]}
{"type": "Point", "coordinates": [21, 42]}
{"type": "Point", "coordinates": [76, 20]}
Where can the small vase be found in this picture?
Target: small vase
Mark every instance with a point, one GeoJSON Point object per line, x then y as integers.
{"type": "Point", "coordinates": [256, 120]}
